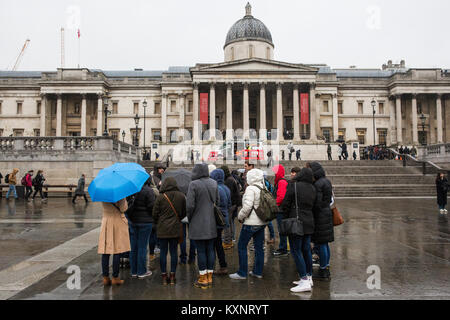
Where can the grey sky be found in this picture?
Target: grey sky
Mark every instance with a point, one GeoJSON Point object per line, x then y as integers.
{"type": "Point", "coordinates": [149, 34]}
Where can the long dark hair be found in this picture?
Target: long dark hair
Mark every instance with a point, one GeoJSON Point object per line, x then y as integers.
{"type": "Point", "coordinates": [438, 177]}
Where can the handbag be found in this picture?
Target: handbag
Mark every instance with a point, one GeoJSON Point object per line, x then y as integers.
{"type": "Point", "coordinates": [292, 226]}
{"type": "Point", "coordinates": [337, 218]}
{"type": "Point", "coordinates": [220, 218]}
{"type": "Point", "coordinates": [180, 238]}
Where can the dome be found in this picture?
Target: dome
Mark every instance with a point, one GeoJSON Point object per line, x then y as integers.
{"type": "Point", "coordinates": [248, 28]}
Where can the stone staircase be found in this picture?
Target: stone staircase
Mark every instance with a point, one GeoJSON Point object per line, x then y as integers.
{"type": "Point", "coordinates": [360, 178]}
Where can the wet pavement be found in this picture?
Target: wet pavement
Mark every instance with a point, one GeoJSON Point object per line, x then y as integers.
{"type": "Point", "coordinates": [406, 238]}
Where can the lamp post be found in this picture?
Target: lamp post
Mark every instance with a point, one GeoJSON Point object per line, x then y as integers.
{"type": "Point", "coordinates": [373, 103]}
{"type": "Point", "coordinates": [123, 136]}
{"type": "Point", "coordinates": [144, 104]}
{"type": "Point", "coordinates": [136, 121]}
{"type": "Point", "coordinates": [423, 119]}
{"type": "Point", "coordinates": [106, 112]}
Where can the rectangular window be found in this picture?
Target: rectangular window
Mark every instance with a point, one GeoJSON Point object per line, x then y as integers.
{"type": "Point", "coordinates": [18, 132]}
{"type": "Point", "coordinates": [360, 108]}
{"type": "Point", "coordinates": [361, 133]}
{"type": "Point", "coordinates": [38, 107]}
{"type": "Point", "coordinates": [382, 134]}
{"type": "Point", "coordinates": [173, 136]}
{"type": "Point", "coordinates": [133, 136]}
{"type": "Point", "coordinates": [19, 107]}
{"type": "Point", "coordinates": [156, 135]}
{"type": "Point", "coordinates": [115, 108]}
{"type": "Point", "coordinates": [1, 132]}
{"type": "Point", "coordinates": [136, 107]}
{"type": "Point", "coordinates": [173, 106]}
{"type": "Point", "coordinates": [326, 132]}
{"type": "Point", "coordinates": [340, 108]}
{"type": "Point", "coordinates": [190, 104]}
{"type": "Point", "coordinates": [37, 132]}
{"type": "Point", "coordinates": [381, 108]}
{"type": "Point", "coordinates": [341, 134]}
{"type": "Point", "coordinates": [325, 107]}
{"type": "Point", "coordinates": [157, 107]}
{"type": "Point", "coordinates": [114, 133]}
{"type": "Point", "coordinates": [1, 107]}
{"type": "Point", "coordinates": [77, 108]}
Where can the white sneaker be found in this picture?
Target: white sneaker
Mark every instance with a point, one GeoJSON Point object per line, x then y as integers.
{"type": "Point", "coordinates": [303, 286]}
{"type": "Point", "coordinates": [445, 210]}
{"type": "Point", "coordinates": [441, 211]}
{"type": "Point", "coordinates": [310, 281]}
{"type": "Point", "coordinates": [157, 250]}
{"type": "Point", "coordinates": [236, 276]}
{"type": "Point", "coordinates": [143, 276]}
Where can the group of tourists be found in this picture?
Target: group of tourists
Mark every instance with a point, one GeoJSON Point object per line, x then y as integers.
{"type": "Point", "coordinates": [215, 197]}
{"type": "Point", "coordinates": [28, 181]}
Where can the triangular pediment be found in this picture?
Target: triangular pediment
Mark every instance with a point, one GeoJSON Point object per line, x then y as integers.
{"type": "Point", "coordinates": [254, 65]}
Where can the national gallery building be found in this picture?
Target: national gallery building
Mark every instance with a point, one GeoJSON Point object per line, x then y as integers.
{"type": "Point", "coordinates": [247, 96]}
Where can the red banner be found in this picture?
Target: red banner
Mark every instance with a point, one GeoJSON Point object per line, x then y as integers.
{"type": "Point", "coordinates": [204, 100]}
{"type": "Point", "coordinates": [304, 108]}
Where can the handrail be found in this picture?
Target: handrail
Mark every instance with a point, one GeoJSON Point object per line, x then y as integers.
{"type": "Point", "coordinates": [409, 157]}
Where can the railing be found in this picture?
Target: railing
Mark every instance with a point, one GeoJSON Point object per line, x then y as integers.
{"type": "Point", "coordinates": [69, 188]}
{"type": "Point", "coordinates": [408, 160]}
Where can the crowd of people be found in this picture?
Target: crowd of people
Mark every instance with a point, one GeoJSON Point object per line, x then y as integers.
{"type": "Point", "coordinates": [161, 208]}
{"type": "Point", "coordinates": [27, 181]}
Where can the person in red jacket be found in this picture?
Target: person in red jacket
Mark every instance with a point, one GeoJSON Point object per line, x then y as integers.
{"type": "Point", "coordinates": [28, 184]}
{"type": "Point", "coordinates": [279, 192]}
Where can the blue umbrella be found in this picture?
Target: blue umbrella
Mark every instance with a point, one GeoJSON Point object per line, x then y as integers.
{"type": "Point", "coordinates": [117, 182]}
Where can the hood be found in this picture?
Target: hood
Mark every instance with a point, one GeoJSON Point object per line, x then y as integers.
{"type": "Point", "coordinates": [15, 171]}
{"type": "Point", "coordinates": [169, 184]}
{"type": "Point", "coordinates": [305, 175]}
{"type": "Point", "coordinates": [218, 175]}
{"type": "Point", "coordinates": [317, 170]}
{"type": "Point", "coordinates": [200, 171]}
{"type": "Point", "coordinates": [211, 168]}
{"type": "Point", "coordinates": [255, 177]}
{"type": "Point", "coordinates": [279, 172]}
{"type": "Point", "coordinates": [226, 171]}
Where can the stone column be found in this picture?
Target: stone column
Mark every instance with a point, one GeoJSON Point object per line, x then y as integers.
{"type": "Point", "coordinates": [280, 136]}
{"type": "Point", "coordinates": [182, 99]}
{"type": "Point", "coordinates": [43, 115]}
{"type": "Point", "coordinates": [99, 115]}
{"type": "Point", "coordinates": [212, 112]}
{"type": "Point", "coordinates": [262, 112]}
{"type": "Point", "coordinates": [392, 120]}
{"type": "Point", "coordinates": [195, 101]}
{"type": "Point", "coordinates": [296, 113]}
{"type": "Point", "coordinates": [83, 116]}
{"type": "Point", "coordinates": [164, 118]}
{"type": "Point", "coordinates": [246, 114]}
{"type": "Point", "coordinates": [59, 115]}
{"type": "Point", "coordinates": [414, 119]}
{"type": "Point", "coordinates": [439, 118]}
{"type": "Point", "coordinates": [335, 118]}
{"type": "Point", "coordinates": [318, 110]}
{"type": "Point", "coordinates": [398, 106]}
{"type": "Point", "coordinates": [229, 112]}
{"type": "Point", "coordinates": [312, 111]}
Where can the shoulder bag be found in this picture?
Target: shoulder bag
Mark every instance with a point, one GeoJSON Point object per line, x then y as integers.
{"type": "Point", "coordinates": [337, 217]}
{"type": "Point", "coordinates": [220, 219]}
{"type": "Point", "coordinates": [292, 226]}
{"type": "Point", "coordinates": [180, 237]}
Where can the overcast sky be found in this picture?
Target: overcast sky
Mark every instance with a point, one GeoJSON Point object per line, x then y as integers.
{"type": "Point", "coordinates": [153, 35]}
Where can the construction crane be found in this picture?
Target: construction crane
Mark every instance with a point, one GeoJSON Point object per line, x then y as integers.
{"type": "Point", "coordinates": [19, 58]}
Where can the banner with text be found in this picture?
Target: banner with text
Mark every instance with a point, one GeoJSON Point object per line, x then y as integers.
{"type": "Point", "coordinates": [204, 100]}
{"type": "Point", "coordinates": [304, 108]}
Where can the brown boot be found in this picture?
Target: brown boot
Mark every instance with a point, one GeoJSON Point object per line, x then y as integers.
{"type": "Point", "coordinates": [164, 279]}
{"type": "Point", "coordinates": [117, 281]}
{"type": "Point", "coordinates": [106, 281]}
{"type": "Point", "coordinates": [210, 279]}
{"type": "Point", "coordinates": [172, 278]}
{"type": "Point", "coordinates": [202, 282]}
{"type": "Point", "coordinates": [222, 272]}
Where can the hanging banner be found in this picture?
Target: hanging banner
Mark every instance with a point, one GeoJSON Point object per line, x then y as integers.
{"type": "Point", "coordinates": [304, 108]}
{"type": "Point", "coordinates": [204, 100]}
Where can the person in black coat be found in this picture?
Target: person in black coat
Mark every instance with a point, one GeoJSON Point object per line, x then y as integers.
{"type": "Point", "coordinates": [302, 190]}
{"type": "Point", "coordinates": [323, 219]}
{"type": "Point", "coordinates": [441, 190]}
{"type": "Point", "coordinates": [140, 227]}
{"type": "Point", "coordinates": [236, 202]}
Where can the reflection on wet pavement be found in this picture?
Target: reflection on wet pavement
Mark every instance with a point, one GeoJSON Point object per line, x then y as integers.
{"type": "Point", "coordinates": [407, 239]}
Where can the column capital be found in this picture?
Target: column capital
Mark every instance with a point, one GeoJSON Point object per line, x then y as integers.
{"type": "Point", "coordinates": [414, 95]}
{"type": "Point", "coordinates": [245, 84]}
{"type": "Point", "coordinates": [212, 85]}
{"type": "Point", "coordinates": [83, 95]}
{"type": "Point", "coordinates": [439, 95]}
{"type": "Point", "coordinates": [58, 95]}
{"type": "Point", "coordinates": [318, 94]}
{"type": "Point", "coordinates": [262, 85]}
{"type": "Point", "coordinates": [398, 96]}
{"type": "Point", "coordinates": [182, 95]}
{"type": "Point", "coordinates": [229, 85]}
{"type": "Point", "coordinates": [334, 95]}
{"type": "Point", "coordinates": [279, 85]}
{"type": "Point", "coordinates": [164, 95]}
{"type": "Point", "coordinates": [42, 95]}
{"type": "Point", "coordinates": [296, 85]}
{"type": "Point", "coordinates": [99, 95]}
{"type": "Point", "coordinates": [195, 85]}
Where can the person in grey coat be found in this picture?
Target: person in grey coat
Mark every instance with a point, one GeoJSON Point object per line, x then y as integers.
{"type": "Point", "coordinates": [202, 194]}
{"type": "Point", "coordinates": [79, 192]}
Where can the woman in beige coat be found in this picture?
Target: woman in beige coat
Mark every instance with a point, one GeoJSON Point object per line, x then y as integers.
{"type": "Point", "coordinates": [114, 238]}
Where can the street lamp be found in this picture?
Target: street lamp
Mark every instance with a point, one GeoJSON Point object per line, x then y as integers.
{"type": "Point", "coordinates": [106, 112]}
{"type": "Point", "coordinates": [144, 104]}
{"type": "Point", "coordinates": [373, 109]}
{"type": "Point", "coordinates": [123, 136]}
{"type": "Point", "coordinates": [136, 121]}
{"type": "Point", "coordinates": [423, 119]}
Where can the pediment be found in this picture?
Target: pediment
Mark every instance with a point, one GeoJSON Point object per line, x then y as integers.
{"type": "Point", "coordinates": [254, 65]}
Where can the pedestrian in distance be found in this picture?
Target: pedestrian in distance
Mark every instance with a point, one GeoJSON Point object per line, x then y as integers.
{"type": "Point", "coordinates": [280, 188]}
{"type": "Point", "coordinates": [114, 239]}
{"type": "Point", "coordinates": [329, 152]}
{"type": "Point", "coordinates": [28, 183]}
{"type": "Point", "coordinates": [269, 159]}
{"type": "Point", "coordinates": [253, 227]}
{"type": "Point", "coordinates": [441, 190]}
{"type": "Point", "coordinates": [340, 152]}
{"type": "Point", "coordinates": [168, 211]}
{"type": "Point", "coordinates": [158, 171]}
{"type": "Point", "coordinates": [298, 203]}
{"type": "Point", "coordinates": [298, 155]}
{"type": "Point", "coordinates": [38, 183]}
{"type": "Point", "coordinates": [11, 180]}
{"type": "Point", "coordinates": [354, 155]}
{"type": "Point", "coordinates": [201, 197]}
{"type": "Point", "coordinates": [79, 192]}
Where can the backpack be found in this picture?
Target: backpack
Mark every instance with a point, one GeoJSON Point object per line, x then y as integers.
{"type": "Point", "coordinates": [24, 180]}
{"type": "Point", "coordinates": [34, 182]}
{"type": "Point", "coordinates": [267, 209]}
{"type": "Point", "coordinates": [7, 178]}
{"type": "Point", "coordinates": [269, 186]}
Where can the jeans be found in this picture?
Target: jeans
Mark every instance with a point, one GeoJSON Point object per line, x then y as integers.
{"type": "Point", "coordinates": [12, 188]}
{"type": "Point", "coordinates": [228, 232]}
{"type": "Point", "coordinates": [139, 235]}
{"type": "Point", "coordinates": [301, 252]}
{"type": "Point", "coordinates": [442, 207]}
{"type": "Point", "coordinates": [257, 233]}
{"type": "Point", "coordinates": [28, 193]}
{"type": "Point", "coordinates": [324, 255]}
{"type": "Point", "coordinates": [153, 241]}
{"type": "Point", "coordinates": [172, 246]}
{"type": "Point", "coordinates": [271, 230]}
{"type": "Point", "coordinates": [283, 239]}
{"type": "Point", "coordinates": [205, 254]}
{"type": "Point", "coordinates": [105, 265]}
{"type": "Point", "coordinates": [219, 249]}
{"type": "Point", "coordinates": [183, 254]}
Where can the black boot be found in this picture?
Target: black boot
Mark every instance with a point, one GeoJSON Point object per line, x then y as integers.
{"type": "Point", "coordinates": [323, 274]}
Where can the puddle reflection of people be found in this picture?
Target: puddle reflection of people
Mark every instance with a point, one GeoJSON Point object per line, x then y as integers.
{"type": "Point", "coordinates": [11, 208]}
